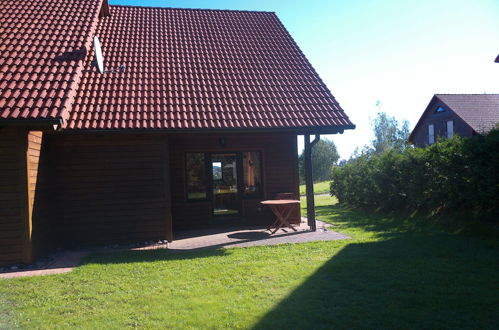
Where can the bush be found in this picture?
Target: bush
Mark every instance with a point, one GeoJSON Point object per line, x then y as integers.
{"type": "Point", "coordinates": [458, 174]}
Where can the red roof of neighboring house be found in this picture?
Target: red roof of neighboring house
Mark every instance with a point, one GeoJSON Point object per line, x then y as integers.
{"type": "Point", "coordinates": [39, 49]}
{"type": "Point", "coordinates": [191, 69]}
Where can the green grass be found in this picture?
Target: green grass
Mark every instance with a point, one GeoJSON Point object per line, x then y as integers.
{"type": "Point", "coordinates": [393, 273]}
{"type": "Point", "coordinates": [319, 188]}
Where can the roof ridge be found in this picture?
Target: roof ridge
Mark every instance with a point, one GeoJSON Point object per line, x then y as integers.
{"type": "Point", "coordinates": [197, 9]}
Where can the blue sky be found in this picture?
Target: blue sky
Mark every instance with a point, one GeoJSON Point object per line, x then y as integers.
{"type": "Point", "coordinates": [398, 52]}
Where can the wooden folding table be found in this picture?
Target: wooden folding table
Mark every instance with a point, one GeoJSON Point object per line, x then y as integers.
{"type": "Point", "coordinates": [282, 208]}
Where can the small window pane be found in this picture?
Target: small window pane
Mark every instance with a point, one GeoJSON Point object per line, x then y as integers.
{"type": "Point", "coordinates": [217, 171]}
{"type": "Point", "coordinates": [252, 167]}
{"type": "Point", "coordinates": [450, 129]}
{"type": "Point", "coordinates": [431, 134]}
{"type": "Point", "coordinates": [196, 176]}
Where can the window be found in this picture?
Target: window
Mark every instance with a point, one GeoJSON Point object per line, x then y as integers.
{"type": "Point", "coordinates": [196, 176]}
{"type": "Point", "coordinates": [252, 169]}
{"type": "Point", "coordinates": [217, 171]}
{"type": "Point", "coordinates": [439, 109]}
{"type": "Point", "coordinates": [450, 129]}
{"type": "Point", "coordinates": [431, 134]}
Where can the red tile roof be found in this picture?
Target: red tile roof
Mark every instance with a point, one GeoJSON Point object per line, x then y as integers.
{"type": "Point", "coordinates": [39, 49]}
{"type": "Point", "coordinates": [209, 69]}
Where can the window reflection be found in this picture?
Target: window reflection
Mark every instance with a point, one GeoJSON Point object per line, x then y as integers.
{"type": "Point", "coordinates": [252, 173]}
{"type": "Point", "coordinates": [196, 176]}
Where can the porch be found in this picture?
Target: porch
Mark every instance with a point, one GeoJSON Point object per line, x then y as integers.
{"type": "Point", "coordinates": [184, 241]}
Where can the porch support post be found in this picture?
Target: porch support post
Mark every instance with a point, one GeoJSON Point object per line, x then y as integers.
{"type": "Point", "coordinates": [167, 183]}
{"type": "Point", "coordinates": [309, 183]}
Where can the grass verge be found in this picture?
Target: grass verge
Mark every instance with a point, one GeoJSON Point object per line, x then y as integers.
{"type": "Point", "coordinates": [319, 188]}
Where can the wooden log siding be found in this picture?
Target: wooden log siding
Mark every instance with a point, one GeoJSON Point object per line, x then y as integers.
{"type": "Point", "coordinates": [41, 215]}
{"type": "Point", "coordinates": [19, 162]}
{"type": "Point", "coordinates": [110, 188]}
{"type": "Point", "coordinates": [280, 174]}
{"type": "Point", "coordinates": [12, 226]}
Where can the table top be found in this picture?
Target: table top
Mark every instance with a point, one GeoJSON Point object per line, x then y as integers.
{"type": "Point", "coordinates": [280, 201]}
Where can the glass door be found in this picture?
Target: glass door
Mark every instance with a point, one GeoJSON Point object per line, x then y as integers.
{"type": "Point", "coordinates": [225, 184]}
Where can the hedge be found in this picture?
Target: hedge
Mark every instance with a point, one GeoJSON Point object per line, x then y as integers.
{"type": "Point", "coordinates": [458, 174]}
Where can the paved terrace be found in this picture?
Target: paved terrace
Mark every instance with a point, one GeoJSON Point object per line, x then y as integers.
{"type": "Point", "coordinates": [65, 261]}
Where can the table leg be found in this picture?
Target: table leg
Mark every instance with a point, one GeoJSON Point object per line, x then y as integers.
{"type": "Point", "coordinates": [282, 217]}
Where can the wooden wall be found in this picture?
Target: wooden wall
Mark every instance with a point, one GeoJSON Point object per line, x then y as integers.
{"type": "Point", "coordinates": [280, 167]}
{"type": "Point", "coordinates": [12, 196]}
{"type": "Point", "coordinates": [67, 190]}
{"type": "Point", "coordinates": [110, 188]}
{"type": "Point", "coordinates": [40, 211]}
{"type": "Point", "coordinates": [19, 163]}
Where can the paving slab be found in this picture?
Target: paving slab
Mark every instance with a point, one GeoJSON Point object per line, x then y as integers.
{"type": "Point", "coordinates": [65, 261]}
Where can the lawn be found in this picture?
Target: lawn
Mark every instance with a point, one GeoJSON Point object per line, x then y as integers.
{"type": "Point", "coordinates": [319, 188]}
{"type": "Point", "coordinates": [391, 274]}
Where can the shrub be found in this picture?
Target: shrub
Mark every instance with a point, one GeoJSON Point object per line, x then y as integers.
{"type": "Point", "coordinates": [454, 174]}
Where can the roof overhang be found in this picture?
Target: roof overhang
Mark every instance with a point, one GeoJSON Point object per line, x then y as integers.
{"type": "Point", "coordinates": [54, 124]}
{"type": "Point", "coordinates": [289, 130]}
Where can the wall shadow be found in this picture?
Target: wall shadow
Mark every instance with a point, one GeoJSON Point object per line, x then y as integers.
{"type": "Point", "coordinates": [219, 249]}
{"type": "Point", "coordinates": [140, 256]}
{"type": "Point", "coordinates": [409, 282]}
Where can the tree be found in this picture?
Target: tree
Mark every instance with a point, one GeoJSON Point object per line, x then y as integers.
{"type": "Point", "coordinates": [324, 156]}
{"type": "Point", "coordinates": [389, 134]}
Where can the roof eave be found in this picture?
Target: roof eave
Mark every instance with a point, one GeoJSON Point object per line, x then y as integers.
{"type": "Point", "coordinates": [322, 130]}
{"type": "Point", "coordinates": [42, 123]}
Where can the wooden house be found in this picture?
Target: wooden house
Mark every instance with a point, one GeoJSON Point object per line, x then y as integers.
{"type": "Point", "coordinates": [193, 123]}
{"type": "Point", "coordinates": [460, 114]}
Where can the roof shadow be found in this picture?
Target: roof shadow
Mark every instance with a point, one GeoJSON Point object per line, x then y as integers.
{"type": "Point", "coordinates": [397, 283]}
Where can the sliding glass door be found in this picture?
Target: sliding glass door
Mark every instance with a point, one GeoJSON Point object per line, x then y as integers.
{"type": "Point", "coordinates": [225, 184]}
{"type": "Point", "coordinates": [224, 179]}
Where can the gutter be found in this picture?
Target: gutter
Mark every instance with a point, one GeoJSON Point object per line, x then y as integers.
{"type": "Point", "coordinates": [298, 130]}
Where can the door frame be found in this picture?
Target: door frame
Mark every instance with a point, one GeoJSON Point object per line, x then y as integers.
{"type": "Point", "coordinates": [239, 180]}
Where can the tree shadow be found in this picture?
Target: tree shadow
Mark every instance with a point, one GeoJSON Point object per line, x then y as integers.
{"type": "Point", "coordinates": [385, 225]}
{"type": "Point", "coordinates": [440, 281]}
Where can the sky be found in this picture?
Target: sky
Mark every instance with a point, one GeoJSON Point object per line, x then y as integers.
{"type": "Point", "coordinates": [400, 53]}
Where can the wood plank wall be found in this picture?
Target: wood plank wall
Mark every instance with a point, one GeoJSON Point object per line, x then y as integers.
{"type": "Point", "coordinates": [97, 189]}
{"type": "Point", "coordinates": [40, 211]}
{"type": "Point", "coordinates": [14, 247]}
{"type": "Point", "coordinates": [109, 188]}
{"type": "Point", "coordinates": [280, 166]}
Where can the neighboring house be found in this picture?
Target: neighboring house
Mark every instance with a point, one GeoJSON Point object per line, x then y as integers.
{"type": "Point", "coordinates": [461, 114]}
{"type": "Point", "coordinates": [200, 127]}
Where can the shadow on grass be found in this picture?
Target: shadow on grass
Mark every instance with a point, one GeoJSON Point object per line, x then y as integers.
{"type": "Point", "coordinates": [393, 225]}
{"type": "Point", "coordinates": [150, 256]}
{"type": "Point", "coordinates": [441, 281]}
